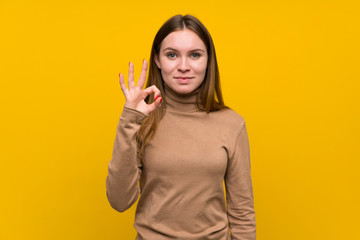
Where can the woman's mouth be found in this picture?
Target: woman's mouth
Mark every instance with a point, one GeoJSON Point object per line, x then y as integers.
{"type": "Point", "coordinates": [183, 79]}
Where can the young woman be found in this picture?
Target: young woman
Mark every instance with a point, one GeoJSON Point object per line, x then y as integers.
{"type": "Point", "coordinates": [177, 142]}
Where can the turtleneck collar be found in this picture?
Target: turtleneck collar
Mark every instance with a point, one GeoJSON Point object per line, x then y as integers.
{"type": "Point", "coordinates": [181, 102]}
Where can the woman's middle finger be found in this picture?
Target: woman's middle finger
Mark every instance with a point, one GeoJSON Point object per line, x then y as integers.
{"type": "Point", "coordinates": [142, 77]}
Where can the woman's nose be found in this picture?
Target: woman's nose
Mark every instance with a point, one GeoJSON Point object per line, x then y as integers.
{"type": "Point", "coordinates": [183, 65]}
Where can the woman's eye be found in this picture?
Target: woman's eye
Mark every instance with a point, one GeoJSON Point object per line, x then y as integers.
{"type": "Point", "coordinates": [195, 55]}
{"type": "Point", "coordinates": [171, 55]}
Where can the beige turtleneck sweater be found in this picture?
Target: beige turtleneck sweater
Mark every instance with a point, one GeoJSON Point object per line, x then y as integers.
{"type": "Point", "coordinates": [181, 176]}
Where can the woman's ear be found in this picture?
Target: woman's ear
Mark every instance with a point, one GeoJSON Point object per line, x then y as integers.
{"type": "Point", "coordinates": [156, 59]}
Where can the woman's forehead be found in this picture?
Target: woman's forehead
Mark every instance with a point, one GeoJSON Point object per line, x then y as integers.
{"type": "Point", "coordinates": [183, 40]}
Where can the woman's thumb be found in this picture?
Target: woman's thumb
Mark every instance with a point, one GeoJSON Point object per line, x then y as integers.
{"type": "Point", "coordinates": [155, 104]}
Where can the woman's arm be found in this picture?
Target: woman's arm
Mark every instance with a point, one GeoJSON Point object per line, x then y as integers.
{"type": "Point", "coordinates": [124, 169]}
{"type": "Point", "coordinates": [239, 191]}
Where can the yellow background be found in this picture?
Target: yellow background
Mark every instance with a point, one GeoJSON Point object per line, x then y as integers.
{"type": "Point", "coordinates": [290, 68]}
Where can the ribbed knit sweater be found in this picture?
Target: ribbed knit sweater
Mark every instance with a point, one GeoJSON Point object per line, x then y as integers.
{"type": "Point", "coordinates": [180, 180]}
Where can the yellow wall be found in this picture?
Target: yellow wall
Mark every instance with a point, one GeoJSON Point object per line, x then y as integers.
{"type": "Point", "coordinates": [290, 68]}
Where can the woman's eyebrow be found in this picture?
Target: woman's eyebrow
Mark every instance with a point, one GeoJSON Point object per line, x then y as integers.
{"type": "Point", "coordinates": [193, 50]}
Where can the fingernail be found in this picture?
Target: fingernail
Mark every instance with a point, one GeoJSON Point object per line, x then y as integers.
{"type": "Point", "coordinates": [160, 99]}
{"type": "Point", "coordinates": [143, 60]}
{"type": "Point", "coordinates": [156, 97]}
{"type": "Point", "coordinates": [129, 64]}
{"type": "Point", "coordinates": [119, 74]}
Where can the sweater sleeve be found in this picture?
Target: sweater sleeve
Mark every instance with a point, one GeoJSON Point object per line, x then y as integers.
{"type": "Point", "coordinates": [239, 191]}
{"type": "Point", "coordinates": [124, 168]}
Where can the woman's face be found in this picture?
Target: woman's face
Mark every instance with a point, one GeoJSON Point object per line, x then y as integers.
{"type": "Point", "coordinates": [182, 61]}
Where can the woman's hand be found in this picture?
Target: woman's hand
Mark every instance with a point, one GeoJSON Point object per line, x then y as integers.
{"type": "Point", "coordinates": [135, 95]}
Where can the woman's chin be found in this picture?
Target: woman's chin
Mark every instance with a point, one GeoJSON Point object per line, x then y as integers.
{"type": "Point", "coordinates": [184, 90]}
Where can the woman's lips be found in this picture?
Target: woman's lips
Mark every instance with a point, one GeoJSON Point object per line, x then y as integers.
{"type": "Point", "coordinates": [183, 79]}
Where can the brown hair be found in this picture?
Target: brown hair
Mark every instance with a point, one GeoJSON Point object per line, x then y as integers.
{"type": "Point", "coordinates": [209, 98]}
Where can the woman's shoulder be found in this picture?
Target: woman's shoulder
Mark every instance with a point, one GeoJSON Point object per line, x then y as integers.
{"type": "Point", "coordinates": [229, 117]}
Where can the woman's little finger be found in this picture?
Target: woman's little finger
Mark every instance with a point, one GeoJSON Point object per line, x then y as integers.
{"type": "Point", "coordinates": [123, 85]}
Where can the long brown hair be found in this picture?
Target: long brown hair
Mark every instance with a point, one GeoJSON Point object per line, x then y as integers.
{"type": "Point", "coordinates": [209, 98]}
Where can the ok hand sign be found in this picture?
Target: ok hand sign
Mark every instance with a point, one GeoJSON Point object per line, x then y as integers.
{"type": "Point", "coordinates": [135, 95]}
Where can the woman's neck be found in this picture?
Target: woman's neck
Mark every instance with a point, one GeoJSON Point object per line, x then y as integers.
{"type": "Point", "coordinates": [181, 102]}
